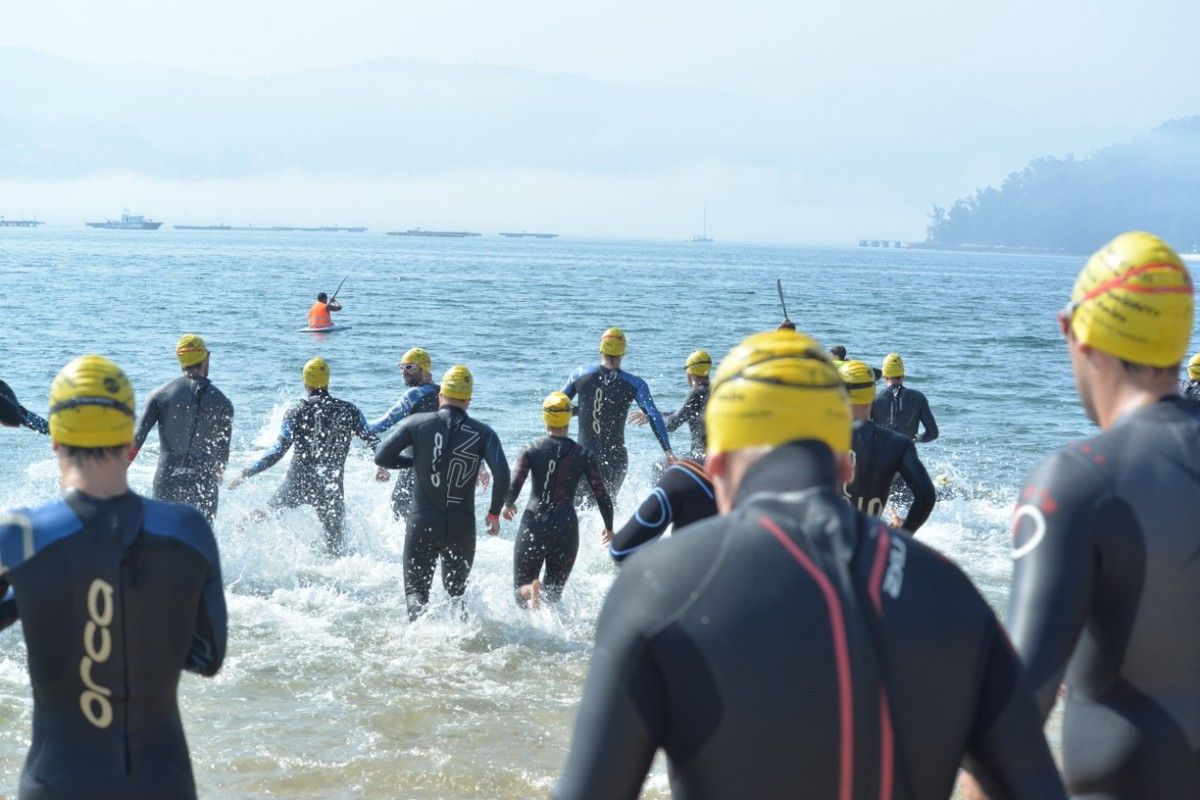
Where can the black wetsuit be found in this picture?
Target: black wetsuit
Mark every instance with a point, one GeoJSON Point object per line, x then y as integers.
{"type": "Point", "coordinates": [683, 495]}
{"type": "Point", "coordinates": [797, 648]}
{"type": "Point", "coordinates": [448, 446]}
{"type": "Point", "coordinates": [13, 413]}
{"type": "Point", "coordinates": [604, 399]}
{"type": "Point", "coordinates": [879, 456]}
{"type": "Point", "coordinates": [900, 409]}
{"type": "Point", "coordinates": [1106, 588]}
{"type": "Point", "coordinates": [115, 598]}
{"type": "Point", "coordinates": [1190, 390]}
{"type": "Point", "coordinates": [691, 412]}
{"type": "Point", "coordinates": [549, 533]}
{"type": "Point", "coordinates": [321, 427]}
{"type": "Point", "coordinates": [415, 400]}
{"type": "Point", "coordinates": [195, 423]}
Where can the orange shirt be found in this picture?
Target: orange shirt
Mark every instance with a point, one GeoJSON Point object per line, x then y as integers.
{"type": "Point", "coordinates": [318, 316]}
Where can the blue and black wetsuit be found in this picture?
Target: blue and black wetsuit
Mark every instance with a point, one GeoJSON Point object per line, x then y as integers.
{"type": "Point", "coordinates": [682, 496]}
{"type": "Point", "coordinates": [320, 427]}
{"type": "Point", "coordinates": [901, 409]}
{"type": "Point", "coordinates": [795, 647]}
{"type": "Point", "coordinates": [415, 400]}
{"type": "Point", "coordinates": [604, 397]}
{"type": "Point", "coordinates": [549, 531]}
{"type": "Point", "coordinates": [115, 598]}
{"type": "Point", "coordinates": [13, 413]}
{"type": "Point", "coordinates": [880, 455]}
{"type": "Point", "coordinates": [1105, 591]}
{"type": "Point", "coordinates": [692, 413]}
{"type": "Point", "coordinates": [195, 423]}
{"type": "Point", "coordinates": [448, 447]}
{"type": "Point", "coordinates": [1190, 390]}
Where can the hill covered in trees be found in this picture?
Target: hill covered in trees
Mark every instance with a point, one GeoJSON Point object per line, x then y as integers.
{"type": "Point", "coordinates": [1076, 205]}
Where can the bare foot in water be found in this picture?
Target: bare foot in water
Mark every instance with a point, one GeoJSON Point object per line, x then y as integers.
{"type": "Point", "coordinates": [530, 592]}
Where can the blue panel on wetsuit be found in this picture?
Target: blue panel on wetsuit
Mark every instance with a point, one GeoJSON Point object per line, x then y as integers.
{"type": "Point", "coordinates": [43, 526]}
{"type": "Point", "coordinates": [182, 522]}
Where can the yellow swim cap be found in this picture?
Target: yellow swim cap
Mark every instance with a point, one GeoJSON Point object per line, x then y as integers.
{"type": "Point", "coordinates": [417, 357]}
{"type": "Point", "coordinates": [893, 366]}
{"type": "Point", "coordinates": [457, 383]}
{"type": "Point", "coordinates": [91, 404]}
{"type": "Point", "coordinates": [556, 410]}
{"type": "Point", "coordinates": [1133, 299]}
{"type": "Point", "coordinates": [1194, 367]}
{"type": "Point", "coordinates": [860, 381]}
{"type": "Point", "coordinates": [316, 373]}
{"type": "Point", "coordinates": [699, 364]}
{"type": "Point", "coordinates": [190, 350]}
{"type": "Point", "coordinates": [612, 343]}
{"type": "Point", "coordinates": [775, 388]}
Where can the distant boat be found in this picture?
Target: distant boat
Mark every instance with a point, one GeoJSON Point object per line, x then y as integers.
{"type": "Point", "coordinates": [223, 227]}
{"type": "Point", "coordinates": [706, 236]}
{"type": "Point", "coordinates": [128, 222]}
{"type": "Point", "coordinates": [19, 223]}
{"type": "Point", "coordinates": [514, 235]}
{"type": "Point", "coordinates": [437, 234]}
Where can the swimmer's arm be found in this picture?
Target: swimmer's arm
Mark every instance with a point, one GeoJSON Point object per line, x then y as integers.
{"type": "Point", "coordinates": [1054, 567]}
{"type": "Point", "coordinates": [33, 421]}
{"type": "Point", "coordinates": [402, 409]}
{"type": "Point", "coordinates": [653, 517]}
{"type": "Point", "coordinates": [924, 495]}
{"type": "Point", "coordinates": [518, 478]}
{"type": "Point", "coordinates": [224, 437]}
{"type": "Point", "coordinates": [1006, 749]}
{"type": "Point", "coordinates": [570, 389]}
{"type": "Point", "coordinates": [646, 403]}
{"type": "Point", "coordinates": [930, 425]}
{"type": "Point", "coordinates": [599, 491]}
{"type": "Point", "coordinates": [8, 605]}
{"type": "Point", "coordinates": [207, 651]}
{"type": "Point", "coordinates": [622, 714]}
{"type": "Point", "coordinates": [277, 451]}
{"type": "Point", "coordinates": [364, 432]}
{"type": "Point", "coordinates": [388, 453]}
{"type": "Point", "coordinates": [493, 455]}
{"type": "Point", "coordinates": [147, 422]}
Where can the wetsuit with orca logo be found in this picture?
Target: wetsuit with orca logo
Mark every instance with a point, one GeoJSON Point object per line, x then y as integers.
{"type": "Point", "coordinates": [448, 448]}
{"type": "Point", "coordinates": [115, 598]}
{"type": "Point", "coordinates": [880, 455]}
{"type": "Point", "coordinates": [603, 406]}
{"type": "Point", "coordinates": [682, 496]}
{"type": "Point", "coordinates": [13, 413]}
{"type": "Point", "coordinates": [796, 647]}
{"type": "Point", "coordinates": [195, 423]}
{"type": "Point", "coordinates": [692, 413]}
{"type": "Point", "coordinates": [549, 533]}
{"type": "Point", "coordinates": [320, 427]}
{"type": "Point", "coordinates": [1105, 593]}
{"type": "Point", "coordinates": [415, 400]}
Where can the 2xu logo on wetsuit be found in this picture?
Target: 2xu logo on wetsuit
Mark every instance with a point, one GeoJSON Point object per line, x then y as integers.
{"type": "Point", "coordinates": [97, 647]}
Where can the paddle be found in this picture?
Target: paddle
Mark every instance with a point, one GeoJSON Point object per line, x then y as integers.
{"type": "Point", "coordinates": [782, 302]}
{"type": "Point", "coordinates": [338, 289]}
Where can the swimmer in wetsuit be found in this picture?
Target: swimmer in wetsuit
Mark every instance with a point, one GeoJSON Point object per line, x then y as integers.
{"type": "Point", "coordinates": [900, 408]}
{"type": "Point", "coordinates": [320, 427]}
{"type": "Point", "coordinates": [784, 649]}
{"type": "Point", "coordinates": [683, 495]}
{"type": "Point", "coordinates": [605, 392]}
{"type": "Point", "coordinates": [195, 423]}
{"type": "Point", "coordinates": [549, 533]}
{"type": "Point", "coordinates": [1190, 388]}
{"type": "Point", "coordinates": [319, 314]}
{"type": "Point", "coordinates": [448, 448]}
{"type": "Point", "coordinates": [14, 415]}
{"type": "Point", "coordinates": [419, 398]}
{"type": "Point", "coordinates": [880, 455]}
{"type": "Point", "coordinates": [1106, 579]}
{"type": "Point", "coordinates": [696, 370]}
{"type": "Point", "coordinates": [116, 595]}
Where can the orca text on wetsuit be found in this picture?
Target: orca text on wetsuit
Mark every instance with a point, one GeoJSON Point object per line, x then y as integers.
{"type": "Point", "coordinates": [195, 423]}
{"type": "Point", "coordinates": [880, 455]}
{"type": "Point", "coordinates": [13, 413]}
{"type": "Point", "coordinates": [694, 656]}
{"type": "Point", "coordinates": [682, 496]}
{"type": "Point", "coordinates": [320, 428]}
{"type": "Point", "coordinates": [448, 447]}
{"type": "Point", "coordinates": [549, 532]}
{"type": "Point", "coordinates": [415, 400]}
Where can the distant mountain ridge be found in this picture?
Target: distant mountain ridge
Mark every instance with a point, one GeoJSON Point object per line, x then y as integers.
{"type": "Point", "coordinates": [1075, 205]}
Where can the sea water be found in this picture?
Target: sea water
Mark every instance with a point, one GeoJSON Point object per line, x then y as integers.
{"type": "Point", "coordinates": [327, 690]}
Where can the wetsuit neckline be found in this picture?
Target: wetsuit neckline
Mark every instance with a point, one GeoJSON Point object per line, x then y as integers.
{"type": "Point", "coordinates": [1133, 414]}
{"type": "Point", "coordinates": [793, 467]}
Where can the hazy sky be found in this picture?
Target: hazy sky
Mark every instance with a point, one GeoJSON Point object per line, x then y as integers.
{"type": "Point", "coordinates": [1074, 75]}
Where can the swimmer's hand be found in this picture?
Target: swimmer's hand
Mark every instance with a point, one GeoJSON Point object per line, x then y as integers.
{"type": "Point", "coordinates": [606, 537]}
{"type": "Point", "coordinates": [382, 475]}
{"type": "Point", "coordinates": [670, 458]}
{"type": "Point", "coordinates": [236, 481]}
{"type": "Point", "coordinates": [969, 787]}
{"type": "Point", "coordinates": [493, 525]}
{"type": "Point", "coordinates": [485, 478]}
{"type": "Point", "coordinates": [897, 520]}
{"type": "Point", "coordinates": [638, 418]}
{"type": "Point", "coordinates": [509, 512]}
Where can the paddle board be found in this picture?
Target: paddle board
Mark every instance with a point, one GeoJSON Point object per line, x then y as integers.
{"type": "Point", "coordinates": [330, 329]}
